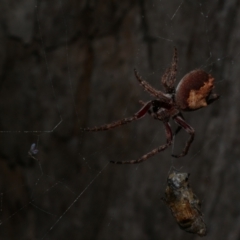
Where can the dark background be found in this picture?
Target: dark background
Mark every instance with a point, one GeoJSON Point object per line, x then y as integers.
{"type": "Point", "coordinates": [69, 64]}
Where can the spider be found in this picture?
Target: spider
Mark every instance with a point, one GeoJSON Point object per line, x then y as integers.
{"type": "Point", "coordinates": [194, 91]}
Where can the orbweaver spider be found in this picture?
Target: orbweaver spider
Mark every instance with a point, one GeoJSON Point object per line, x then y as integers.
{"type": "Point", "coordinates": [194, 91]}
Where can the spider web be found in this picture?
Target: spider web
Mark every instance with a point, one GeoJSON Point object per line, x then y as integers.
{"type": "Point", "coordinates": [57, 181]}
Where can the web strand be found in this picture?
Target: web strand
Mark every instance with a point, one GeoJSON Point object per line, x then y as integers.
{"type": "Point", "coordinates": [75, 200]}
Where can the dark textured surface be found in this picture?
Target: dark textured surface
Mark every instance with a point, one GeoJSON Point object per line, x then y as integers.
{"type": "Point", "coordinates": [71, 62]}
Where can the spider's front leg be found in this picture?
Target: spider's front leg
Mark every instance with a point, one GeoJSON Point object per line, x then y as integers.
{"type": "Point", "coordinates": [156, 93]}
{"type": "Point", "coordinates": [183, 124]}
{"type": "Point", "coordinates": [169, 77]}
{"type": "Point", "coordinates": [141, 113]}
{"type": "Point", "coordinates": [169, 137]}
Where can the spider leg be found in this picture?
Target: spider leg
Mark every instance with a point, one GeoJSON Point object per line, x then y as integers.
{"type": "Point", "coordinates": [141, 113]}
{"type": "Point", "coordinates": [182, 123]}
{"type": "Point", "coordinates": [150, 89]}
{"type": "Point", "coordinates": [179, 128]}
{"type": "Point", "coordinates": [169, 137]}
{"type": "Point", "coordinates": [169, 77]}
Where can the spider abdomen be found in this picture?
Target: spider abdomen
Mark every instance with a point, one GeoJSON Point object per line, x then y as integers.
{"type": "Point", "coordinates": [194, 90]}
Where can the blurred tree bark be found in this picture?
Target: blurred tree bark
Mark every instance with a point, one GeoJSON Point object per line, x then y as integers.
{"type": "Point", "coordinates": [69, 64]}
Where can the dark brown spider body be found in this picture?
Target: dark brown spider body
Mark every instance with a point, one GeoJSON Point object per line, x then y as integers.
{"type": "Point", "coordinates": [194, 91]}
{"type": "Point", "coordinates": [161, 111]}
{"type": "Point", "coordinates": [184, 204]}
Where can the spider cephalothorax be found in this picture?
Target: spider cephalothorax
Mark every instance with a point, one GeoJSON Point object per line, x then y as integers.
{"type": "Point", "coordinates": [194, 91]}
